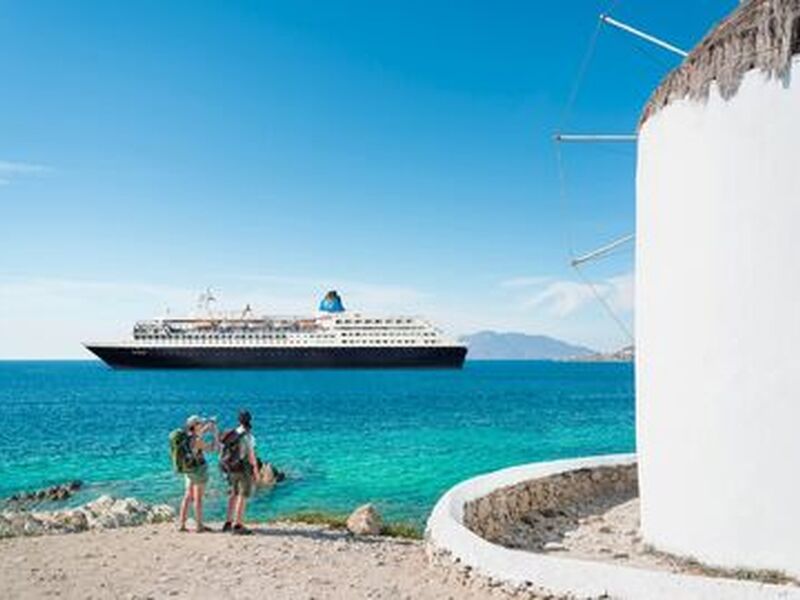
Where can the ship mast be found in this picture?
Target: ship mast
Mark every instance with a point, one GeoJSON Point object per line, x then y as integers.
{"type": "Point", "coordinates": [205, 301]}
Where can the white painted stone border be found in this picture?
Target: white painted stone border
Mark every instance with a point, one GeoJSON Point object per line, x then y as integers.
{"type": "Point", "coordinates": [446, 532]}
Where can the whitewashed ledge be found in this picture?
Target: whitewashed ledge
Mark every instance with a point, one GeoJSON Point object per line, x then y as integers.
{"type": "Point", "coordinates": [450, 542]}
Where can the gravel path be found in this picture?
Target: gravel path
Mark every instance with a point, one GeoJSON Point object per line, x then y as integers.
{"type": "Point", "coordinates": [614, 536]}
{"type": "Point", "coordinates": [280, 561]}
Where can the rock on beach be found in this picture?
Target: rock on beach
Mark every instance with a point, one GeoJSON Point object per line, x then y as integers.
{"type": "Point", "coordinates": [365, 520]}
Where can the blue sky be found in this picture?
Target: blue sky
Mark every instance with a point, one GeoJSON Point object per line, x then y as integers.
{"type": "Point", "coordinates": [398, 151]}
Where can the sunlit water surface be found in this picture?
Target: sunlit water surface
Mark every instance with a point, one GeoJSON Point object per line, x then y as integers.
{"type": "Point", "coordinates": [396, 438]}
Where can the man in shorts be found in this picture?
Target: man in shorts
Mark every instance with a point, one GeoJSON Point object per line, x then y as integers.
{"type": "Point", "coordinates": [242, 482]}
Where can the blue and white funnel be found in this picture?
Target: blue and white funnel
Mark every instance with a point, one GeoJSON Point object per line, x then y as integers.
{"type": "Point", "coordinates": [331, 303]}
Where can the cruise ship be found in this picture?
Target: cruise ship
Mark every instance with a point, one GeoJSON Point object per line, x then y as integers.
{"type": "Point", "coordinates": [334, 338]}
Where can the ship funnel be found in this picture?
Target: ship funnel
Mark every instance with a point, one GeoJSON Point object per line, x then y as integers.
{"type": "Point", "coordinates": [331, 303]}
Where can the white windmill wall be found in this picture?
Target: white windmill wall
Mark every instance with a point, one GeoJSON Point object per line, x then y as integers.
{"type": "Point", "coordinates": [718, 325]}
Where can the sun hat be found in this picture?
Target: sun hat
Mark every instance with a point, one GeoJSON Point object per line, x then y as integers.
{"type": "Point", "coordinates": [192, 421]}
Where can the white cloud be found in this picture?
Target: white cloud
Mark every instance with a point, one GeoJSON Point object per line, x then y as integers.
{"type": "Point", "coordinates": [622, 292]}
{"type": "Point", "coordinates": [11, 170]}
{"type": "Point", "coordinates": [563, 298]}
{"type": "Point", "coordinates": [560, 298]}
{"type": "Point", "coordinates": [522, 282]}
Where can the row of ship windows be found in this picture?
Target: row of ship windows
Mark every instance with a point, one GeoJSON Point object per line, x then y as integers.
{"type": "Point", "coordinates": [372, 321]}
{"type": "Point", "coordinates": [388, 342]}
{"type": "Point", "coordinates": [384, 334]}
{"type": "Point", "coordinates": [382, 328]}
{"type": "Point", "coordinates": [304, 342]}
{"type": "Point", "coordinates": [255, 336]}
{"type": "Point", "coordinates": [204, 352]}
{"type": "Point", "coordinates": [223, 338]}
{"type": "Point", "coordinates": [364, 339]}
{"type": "Point", "coordinates": [294, 342]}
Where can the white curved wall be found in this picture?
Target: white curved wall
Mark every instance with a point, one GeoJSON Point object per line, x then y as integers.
{"type": "Point", "coordinates": [718, 326]}
{"type": "Point", "coordinates": [446, 533]}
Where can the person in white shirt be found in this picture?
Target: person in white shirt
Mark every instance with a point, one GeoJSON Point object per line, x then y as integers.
{"type": "Point", "coordinates": [242, 480]}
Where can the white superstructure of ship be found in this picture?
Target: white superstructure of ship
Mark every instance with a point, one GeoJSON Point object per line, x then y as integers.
{"type": "Point", "coordinates": [334, 337]}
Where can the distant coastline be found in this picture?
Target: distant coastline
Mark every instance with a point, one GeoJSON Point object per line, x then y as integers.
{"type": "Point", "coordinates": [493, 345]}
{"type": "Point", "coordinates": [626, 354]}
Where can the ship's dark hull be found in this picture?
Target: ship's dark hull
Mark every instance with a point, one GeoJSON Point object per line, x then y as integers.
{"type": "Point", "coordinates": [129, 357]}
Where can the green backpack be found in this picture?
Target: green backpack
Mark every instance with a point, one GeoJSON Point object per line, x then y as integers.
{"type": "Point", "coordinates": [180, 450]}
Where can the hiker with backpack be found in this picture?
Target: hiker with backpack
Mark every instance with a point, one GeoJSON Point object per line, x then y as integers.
{"type": "Point", "coordinates": [238, 462]}
{"type": "Point", "coordinates": [187, 446]}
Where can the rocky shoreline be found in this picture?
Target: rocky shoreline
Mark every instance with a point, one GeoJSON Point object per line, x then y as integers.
{"type": "Point", "coordinates": [54, 493]}
{"type": "Point", "coordinates": [105, 512]}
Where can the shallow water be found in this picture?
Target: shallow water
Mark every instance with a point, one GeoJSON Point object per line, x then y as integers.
{"type": "Point", "coordinates": [397, 438]}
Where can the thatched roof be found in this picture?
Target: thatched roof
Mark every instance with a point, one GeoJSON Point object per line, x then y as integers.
{"type": "Point", "coordinates": [759, 34]}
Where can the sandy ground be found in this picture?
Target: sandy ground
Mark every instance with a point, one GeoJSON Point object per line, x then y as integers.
{"type": "Point", "coordinates": [614, 536]}
{"type": "Point", "coordinates": [607, 531]}
{"type": "Point", "coordinates": [279, 561]}
{"type": "Point", "coordinates": [611, 536]}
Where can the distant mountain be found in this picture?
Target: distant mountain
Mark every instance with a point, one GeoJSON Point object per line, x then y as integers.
{"type": "Point", "coordinates": [492, 345]}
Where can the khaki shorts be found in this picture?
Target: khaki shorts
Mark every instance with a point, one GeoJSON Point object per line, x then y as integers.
{"type": "Point", "coordinates": [198, 475]}
{"type": "Point", "coordinates": [241, 484]}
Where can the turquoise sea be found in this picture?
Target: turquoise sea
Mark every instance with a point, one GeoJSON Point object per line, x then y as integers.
{"type": "Point", "coordinates": [397, 438]}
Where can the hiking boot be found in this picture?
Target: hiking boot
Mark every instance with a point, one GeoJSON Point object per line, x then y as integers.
{"type": "Point", "coordinates": [241, 530]}
{"type": "Point", "coordinates": [227, 526]}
